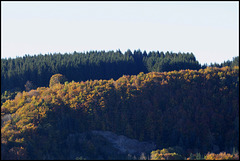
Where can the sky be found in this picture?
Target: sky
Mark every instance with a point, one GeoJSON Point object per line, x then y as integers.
{"type": "Point", "coordinates": [208, 29]}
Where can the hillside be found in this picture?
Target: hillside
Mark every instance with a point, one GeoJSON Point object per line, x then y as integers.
{"type": "Point", "coordinates": [197, 110]}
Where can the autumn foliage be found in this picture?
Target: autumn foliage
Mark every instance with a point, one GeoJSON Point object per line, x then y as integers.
{"type": "Point", "coordinates": [164, 154]}
{"type": "Point", "coordinates": [221, 156]}
{"type": "Point", "coordinates": [56, 79]}
{"type": "Point", "coordinates": [187, 108]}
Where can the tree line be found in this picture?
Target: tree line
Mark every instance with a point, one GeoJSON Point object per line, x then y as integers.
{"type": "Point", "coordinates": [36, 70]}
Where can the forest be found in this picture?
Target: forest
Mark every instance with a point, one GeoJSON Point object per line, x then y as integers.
{"type": "Point", "coordinates": [189, 111]}
{"type": "Point", "coordinates": [90, 65]}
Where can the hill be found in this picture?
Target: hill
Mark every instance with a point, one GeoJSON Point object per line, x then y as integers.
{"type": "Point", "coordinates": [197, 110]}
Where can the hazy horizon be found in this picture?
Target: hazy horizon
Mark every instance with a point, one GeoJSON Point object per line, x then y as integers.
{"type": "Point", "coordinates": [210, 30]}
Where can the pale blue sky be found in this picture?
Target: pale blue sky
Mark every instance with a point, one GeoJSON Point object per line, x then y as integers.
{"type": "Point", "coordinates": [210, 30]}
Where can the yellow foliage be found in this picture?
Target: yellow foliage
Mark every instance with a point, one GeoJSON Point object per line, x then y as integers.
{"type": "Point", "coordinates": [164, 154]}
{"type": "Point", "coordinates": [220, 156]}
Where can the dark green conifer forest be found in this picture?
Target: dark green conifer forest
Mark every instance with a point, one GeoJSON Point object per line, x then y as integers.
{"type": "Point", "coordinates": [90, 65]}
{"type": "Point", "coordinates": [188, 110]}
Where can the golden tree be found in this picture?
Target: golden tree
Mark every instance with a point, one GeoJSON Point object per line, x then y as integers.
{"type": "Point", "coordinates": [56, 79]}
